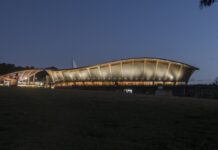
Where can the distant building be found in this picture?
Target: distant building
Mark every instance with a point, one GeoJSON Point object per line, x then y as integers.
{"type": "Point", "coordinates": [126, 72]}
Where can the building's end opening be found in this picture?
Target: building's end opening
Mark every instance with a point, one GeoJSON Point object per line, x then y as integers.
{"type": "Point", "coordinates": [39, 79]}
{"type": "Point", "coordinates": [42, 78]}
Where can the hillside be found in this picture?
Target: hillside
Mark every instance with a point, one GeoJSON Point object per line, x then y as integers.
{"type": "Point", "coordinates": [95, 120]}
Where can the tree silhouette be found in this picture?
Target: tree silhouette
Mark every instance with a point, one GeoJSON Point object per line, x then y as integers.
{"type": "Point", "coordinates": [205, 3]}
{"type": "Point", "coordinates": [8, 68]}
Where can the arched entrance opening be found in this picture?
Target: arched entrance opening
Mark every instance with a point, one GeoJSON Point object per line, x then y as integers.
{"type": "Point", "coordinates": [41, 79]}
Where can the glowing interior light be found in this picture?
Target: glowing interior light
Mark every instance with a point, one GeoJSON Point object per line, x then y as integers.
{"type": "Point", "coordinates": [143, 72]}
{"type": "Point", "coordinates": [171, 77]}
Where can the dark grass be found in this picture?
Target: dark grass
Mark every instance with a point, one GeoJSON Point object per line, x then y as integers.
{"type": "Point", "coordinates": [67, 119]}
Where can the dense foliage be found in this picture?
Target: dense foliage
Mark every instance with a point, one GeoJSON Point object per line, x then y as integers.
{"type": "Point", "coordinates": [7, 68]}
{"type": "Point", "coordinates": [205, 3]}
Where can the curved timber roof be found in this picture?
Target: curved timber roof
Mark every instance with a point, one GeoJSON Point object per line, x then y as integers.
{"type": "Point", "coordinates": [131, 69]}
{"type": "Point", "coordinates": [124, 70]}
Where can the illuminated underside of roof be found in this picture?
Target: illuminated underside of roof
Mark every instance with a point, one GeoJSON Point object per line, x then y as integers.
{"type": "Point", "coordinates": [135, 70]}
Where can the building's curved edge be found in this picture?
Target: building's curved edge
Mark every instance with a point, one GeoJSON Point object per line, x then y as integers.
{"type": "Point", "coordinates": [133, 58]}
{"type": "Point", "coordinates": [53, 74]}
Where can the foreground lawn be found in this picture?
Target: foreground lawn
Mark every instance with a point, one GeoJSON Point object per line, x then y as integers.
{"type": "Point", "coordinates": [67, 119]}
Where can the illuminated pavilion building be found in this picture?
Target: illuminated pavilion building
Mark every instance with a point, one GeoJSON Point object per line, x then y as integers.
{"type": "Point", "coordinates": [126, 72]}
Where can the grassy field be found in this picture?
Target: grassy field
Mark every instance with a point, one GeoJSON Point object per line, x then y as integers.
{"type": "Point", "coordinates": [67, 119]}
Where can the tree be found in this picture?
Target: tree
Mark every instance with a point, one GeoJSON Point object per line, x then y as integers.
{"type": "Point", "coordinates": [205, 3]}
{"type": "Point", "coordinates": [8, 68]}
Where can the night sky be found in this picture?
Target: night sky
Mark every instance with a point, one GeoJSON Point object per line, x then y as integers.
{"type": "Point", "coordinates": [45, 33]}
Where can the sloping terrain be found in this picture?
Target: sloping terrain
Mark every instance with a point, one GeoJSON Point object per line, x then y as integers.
{"type": "Point", "coordinates": [67, 119]}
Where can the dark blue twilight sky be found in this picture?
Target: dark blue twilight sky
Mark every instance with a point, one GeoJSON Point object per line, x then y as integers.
{"type": "Point", "coordinates": [51, 32]}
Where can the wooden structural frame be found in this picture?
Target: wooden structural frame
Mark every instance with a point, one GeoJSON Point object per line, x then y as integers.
{"type": "Point", "coordinates": [134, 71]}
